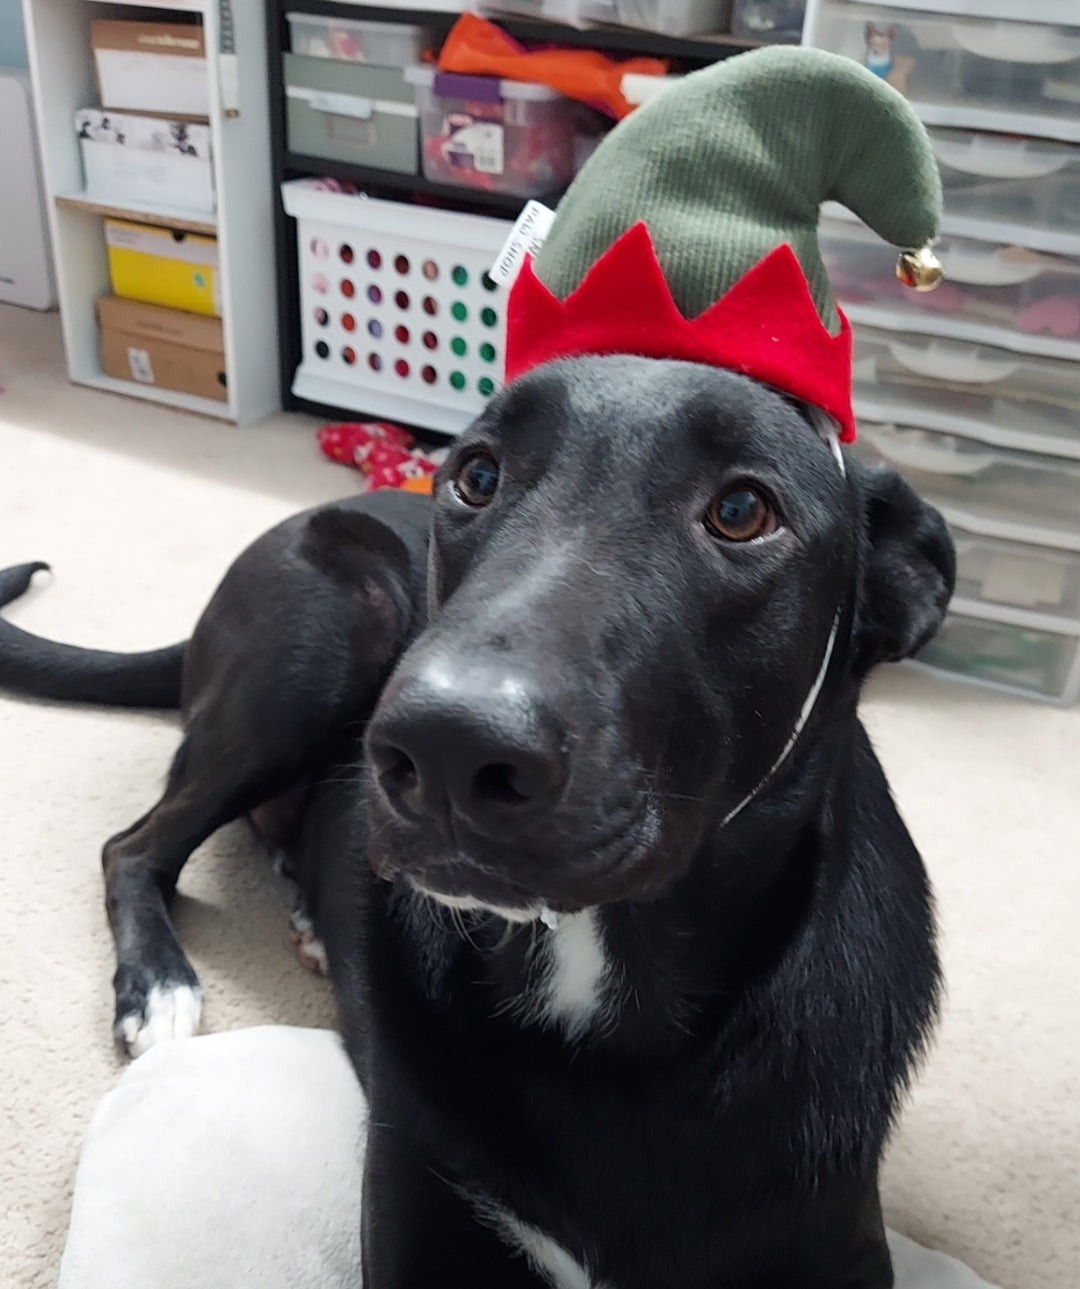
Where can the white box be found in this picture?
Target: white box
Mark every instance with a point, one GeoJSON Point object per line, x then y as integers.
{"type": "Point", "coordinates": [151, 66]}
{"type": "Point", "coordinates": [146, 159]}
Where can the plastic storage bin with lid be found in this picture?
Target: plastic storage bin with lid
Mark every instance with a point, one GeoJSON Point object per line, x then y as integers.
{"type": "Point", "coordinates": [1028, 297]}
{"type": "Point", "coordinates": [351, 40]}
{"type": "Point", "coordinates": [775, 21]}
{"type": "Point", "coordinates": [983, 73]}
{"type": "Point", "coordinates": [1030, 401]}
{"type": "Point", "coordinates": [496, 135]}
{"type": "Point", "coordinates": [669, 17]}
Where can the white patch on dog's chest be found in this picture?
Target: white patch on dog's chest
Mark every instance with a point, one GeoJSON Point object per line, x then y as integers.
{"type": "Point", "coordinates": [573, 993]}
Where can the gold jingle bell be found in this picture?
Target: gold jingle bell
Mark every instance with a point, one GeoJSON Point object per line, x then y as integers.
{"type": "Point", "coordinates": [920, 269]}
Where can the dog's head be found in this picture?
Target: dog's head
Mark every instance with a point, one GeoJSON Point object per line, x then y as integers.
{"type": "Point", "coordinates": [645, 578]}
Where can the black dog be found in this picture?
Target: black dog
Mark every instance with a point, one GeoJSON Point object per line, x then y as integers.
{"type": "Point", "coordinates": [652, 957]}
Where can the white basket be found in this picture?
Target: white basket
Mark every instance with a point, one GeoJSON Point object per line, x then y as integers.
{"type": "Point", "coordinates": [398, 316]}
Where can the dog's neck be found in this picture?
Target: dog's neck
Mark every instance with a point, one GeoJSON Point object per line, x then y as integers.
{"type": "Point", "coordinates": [640, 977]}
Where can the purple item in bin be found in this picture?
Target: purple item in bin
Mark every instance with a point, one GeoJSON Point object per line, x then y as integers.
{"type": "Point", "coordinates": [478, 89]}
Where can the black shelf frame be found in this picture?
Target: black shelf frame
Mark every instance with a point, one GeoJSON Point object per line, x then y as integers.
{"type": "Point", "coordinates": [687, 53]}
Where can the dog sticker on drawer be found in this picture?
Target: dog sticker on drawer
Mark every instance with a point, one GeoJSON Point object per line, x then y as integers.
{"type": "Point", "coordinates": [164, 266]}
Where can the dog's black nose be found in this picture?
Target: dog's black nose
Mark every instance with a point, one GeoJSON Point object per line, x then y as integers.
{"type": "Point", "coordinates": [481, 745]}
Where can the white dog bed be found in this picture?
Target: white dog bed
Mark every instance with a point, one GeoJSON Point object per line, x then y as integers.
{"type": "Point", "coordinates": [233, 1161]}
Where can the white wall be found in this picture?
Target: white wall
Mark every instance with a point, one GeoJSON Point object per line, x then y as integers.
{"type": "Point", "coordinates": [12, 40]}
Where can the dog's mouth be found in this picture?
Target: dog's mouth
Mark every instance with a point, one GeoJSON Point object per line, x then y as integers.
{"type": "Point", "coordinates": [519, 883]}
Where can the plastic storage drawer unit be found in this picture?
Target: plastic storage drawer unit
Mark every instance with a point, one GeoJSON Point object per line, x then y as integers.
{"type": "Point", "coordinates": [1031, 299]}
{"type": "Point", "coordinates": [347, 112]}
{"type": "Point", "coordinates": [386, 44]}
{"type": "Point", "coordinates": [951, 383]}
{"type": "Point", "coordinates": [967, 72]}
{"type": "Point", "coordinates": [496, 135]}
{"type": "Point", "coordinates": [1021, 491]}
{"type": "Point", "coordinates": [1026, 658]}
{"type": "Point", "coordinates": [1031, 184]}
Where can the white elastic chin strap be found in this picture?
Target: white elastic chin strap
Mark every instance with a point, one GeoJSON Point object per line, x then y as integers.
{"type": "Point", "coordinates": [827, 429]}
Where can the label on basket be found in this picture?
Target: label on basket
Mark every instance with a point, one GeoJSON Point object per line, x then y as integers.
{"type": "Point", "coordinates": [474, 145]}
{"type": "Point", "coordinates": [140, 367]}
{"type": "Point", "coordinates": [526, 238]}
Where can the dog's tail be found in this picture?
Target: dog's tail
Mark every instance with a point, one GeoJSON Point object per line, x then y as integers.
{"type": "Point", "coordinates": [43, 668]}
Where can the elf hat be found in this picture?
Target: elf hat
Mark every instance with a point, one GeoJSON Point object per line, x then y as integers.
{"type": "Point", "coordinates": [691, 232]}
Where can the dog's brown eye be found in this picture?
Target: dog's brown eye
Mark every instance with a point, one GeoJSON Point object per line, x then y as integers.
{"type": "Point", "coordinates": [477, 478]}
{"type": "Point", "coordinates": [740, 515]}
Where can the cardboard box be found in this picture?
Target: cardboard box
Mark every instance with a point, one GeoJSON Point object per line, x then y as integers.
{"type": "Point", "coordinates": [155, 160]}
{"type": "Point", "coordinates": [161, 266]}
{"type": "Point", "coordinates": [151, 66]}
{"type": "Point", "coordinates": [162, 347]}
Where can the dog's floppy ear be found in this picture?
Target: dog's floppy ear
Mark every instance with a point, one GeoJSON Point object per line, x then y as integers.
{"type": "Point", "coordinates": [909, 572]}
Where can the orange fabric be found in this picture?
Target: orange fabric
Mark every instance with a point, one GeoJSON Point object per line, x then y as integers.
{"type": "Point", "coordinates": [476, 47]}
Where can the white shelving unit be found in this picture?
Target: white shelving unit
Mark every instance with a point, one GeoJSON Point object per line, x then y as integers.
{"type": "Point", "coordinates": [61, 65]}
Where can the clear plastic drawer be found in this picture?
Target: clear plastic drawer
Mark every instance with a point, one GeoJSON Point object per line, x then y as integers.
{"type": "Point", "coordinates": [1017, 398]}
{"type": "Point", "coordinates": [983, 73]}
{"type": "Point", "coordinates": [1028, 298]}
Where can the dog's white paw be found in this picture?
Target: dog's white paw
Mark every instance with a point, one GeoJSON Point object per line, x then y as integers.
{"type": "Point", "coordinates": [171, 1011]}
{"type": "Point", "coordinates": [310, 950]}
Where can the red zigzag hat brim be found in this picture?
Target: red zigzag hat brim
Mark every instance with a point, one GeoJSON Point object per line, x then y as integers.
{"type": "Point", "coordinates": [766, 326]}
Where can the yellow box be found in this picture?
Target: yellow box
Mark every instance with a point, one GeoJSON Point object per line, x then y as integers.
{"type": "Point", "coordinates": [162, 266]}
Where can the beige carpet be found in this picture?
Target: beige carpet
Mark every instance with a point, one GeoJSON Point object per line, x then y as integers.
{"type": "Point", "coordinates": [139, 510]}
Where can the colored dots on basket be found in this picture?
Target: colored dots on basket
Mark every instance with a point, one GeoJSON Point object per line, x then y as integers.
{"type": "Point", "coordinates": [374, 327]}
{"type": "Point", "coordinates": [458, 311]}
{"type": "Point", "coordinates": [488, 317]}
{"type": "Point", "coordinates": [401, 335]}
{"type": "Point", "coordinates": [459, 347]}
{"type": "Point", "coordinates": [346, 252]}
{"type": "Point", "coordinates": [430, 270]}
{"type": "Point", "coordinates": [430, 339]}
{"type": "Point", "coordinates": [322, 317]}
{"type": "Point", "coordinates": [459, 274]}
{"type": "Point", "coordinates": [430, 305]}
{"type": "Point", "coordinates": [457, 379]}
{"type": "Point", "coordinates": [348, 355]}
{"type": "Point", "coordinates": [374, 260]}
{"type": "Point", "coordinates": [487, 352]}
{"type": "Point", "coordinates": [401, 263]}
{"type": "Point", "coordinates": [348, 290]}
{"type": "Point", "coordinates": [401, 367]}
{"type": "Point", "coordinates": [401, 299]}
{"type": "Point", "coordinates": [374, 294]}
{"type": "Point", "coordinates": [429, 375]}
{"type": "Point", "coordinates": [374, 362]}
{"type": "Point", "coordinates": [486, 386]}
{"type": "Point", "coordinates": [348, 322]}
{"type": "Point", "coordinates": [319, 248]}
{"type": "Point", "coordinates": [489, 283]}
{"type": "Point", "coordinates": [322, 349]}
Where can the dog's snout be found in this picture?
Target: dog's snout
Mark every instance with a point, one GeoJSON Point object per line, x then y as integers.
{"type": "Point", "coordinates": [483, 748]}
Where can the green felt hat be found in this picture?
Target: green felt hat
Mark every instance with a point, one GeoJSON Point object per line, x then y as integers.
{"type": "Point", "coordinates": [736, 160]}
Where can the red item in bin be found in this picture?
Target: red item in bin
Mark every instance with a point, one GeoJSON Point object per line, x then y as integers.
{"type": "Point", "coordinates": [478, 47]}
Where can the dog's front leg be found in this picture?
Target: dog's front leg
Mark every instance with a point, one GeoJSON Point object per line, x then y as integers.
{"type": "Point", "coordinates": [421, 1230]}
